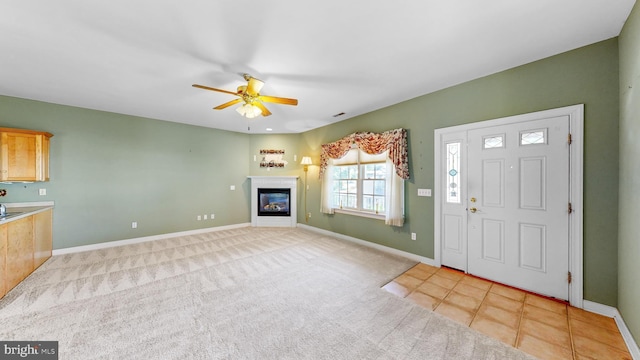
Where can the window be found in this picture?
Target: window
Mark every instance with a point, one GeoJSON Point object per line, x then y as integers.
{"type": "Point", "coordinates": [533, 137]}
{"type": "Point", "coordinates": [365, 184]}
{"type": "Point", "coordinates": [359, 182]}
{"type": "Point", "coordinates": [373, 186]}
{"type": "Point", "coordinates": [493, 142]}
{"type": "Point", "coordinates": [453, 172]}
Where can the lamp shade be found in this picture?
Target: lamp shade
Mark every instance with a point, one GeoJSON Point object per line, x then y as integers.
{"type": "Point", "coordinates": [306, 160]}
{"type": "Point", "coordinates": [249, 111]}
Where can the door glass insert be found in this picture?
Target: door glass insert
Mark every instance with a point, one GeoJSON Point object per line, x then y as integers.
{"type": "Point", "coordinates": [533, 137]}
{"type": "Point", "coordinates": [453, 173]}
{"type": "Point", "coordinates": [493, 142]}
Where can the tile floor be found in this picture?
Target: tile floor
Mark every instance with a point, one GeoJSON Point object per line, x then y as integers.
{"type": "Point", "coordinates": [542, 327]}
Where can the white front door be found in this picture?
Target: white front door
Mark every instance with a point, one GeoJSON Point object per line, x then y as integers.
{"type": "Point", "coordinates": [518, 197]}
{"type": "Point", "coordinates": [503, 204]}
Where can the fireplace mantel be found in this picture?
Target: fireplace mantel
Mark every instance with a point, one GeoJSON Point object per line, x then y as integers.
{"type": "Point", "coordinates": [274, 182]}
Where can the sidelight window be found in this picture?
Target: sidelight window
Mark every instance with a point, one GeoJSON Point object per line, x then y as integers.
{"type": "Point", "coordinates": [453, 172]}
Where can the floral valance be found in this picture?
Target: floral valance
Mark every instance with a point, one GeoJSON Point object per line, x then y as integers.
{"type": "Point", "coordinates": [395, 141]}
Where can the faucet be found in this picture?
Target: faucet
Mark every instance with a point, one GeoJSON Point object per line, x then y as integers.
{"type": "Point", "coordinates": [3, 210]}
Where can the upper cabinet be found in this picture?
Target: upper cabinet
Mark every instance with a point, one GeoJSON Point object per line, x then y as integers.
{"type": "Point", "coordinates": [24, 155]}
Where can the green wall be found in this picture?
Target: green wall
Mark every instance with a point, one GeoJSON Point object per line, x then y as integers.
{"type": "Point", "coordinates": [588, 75]}
{"type": "Point", "coordinates": [629, 227]}
{"type": "Point", "coordinates": [108, 170]}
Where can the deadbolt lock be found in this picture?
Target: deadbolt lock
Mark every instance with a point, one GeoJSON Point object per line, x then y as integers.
{"type": "Point", "coordinates": [473, 199]}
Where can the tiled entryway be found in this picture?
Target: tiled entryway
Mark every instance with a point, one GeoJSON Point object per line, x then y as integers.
{"type": "Point", "coordinates": [542, 327]}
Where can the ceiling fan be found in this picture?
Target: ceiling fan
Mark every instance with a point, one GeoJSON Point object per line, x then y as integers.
{"type": "Point", "coordinates": [250, 94]}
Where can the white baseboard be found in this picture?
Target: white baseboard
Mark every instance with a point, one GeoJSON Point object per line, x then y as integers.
{"type": "Point", "coordinates": [110, 244]}
{"type": "Point", "coordinates": [612, 312]}
{"type": "Point", "coordinates": [387, 249]}
{"type": "Point", "coordinates": [604, 310]}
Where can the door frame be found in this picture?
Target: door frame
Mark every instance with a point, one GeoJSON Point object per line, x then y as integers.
{"type": "Point", "coordinates": [576, 168]}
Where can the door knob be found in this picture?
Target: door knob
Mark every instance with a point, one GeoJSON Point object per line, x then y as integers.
{"type": "Point", "coordinates": [473, 210]}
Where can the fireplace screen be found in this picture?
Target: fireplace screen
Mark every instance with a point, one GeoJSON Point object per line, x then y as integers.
{"type": "Point", "coordinates": [273, 202]}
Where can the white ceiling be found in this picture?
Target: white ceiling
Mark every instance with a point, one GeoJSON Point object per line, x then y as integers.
{"type": "Point", "coordinates": [140, 57]}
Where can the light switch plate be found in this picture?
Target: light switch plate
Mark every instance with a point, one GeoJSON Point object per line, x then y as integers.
{"type": "Point", "coordinates": [42, 191]}
{"type": "Point", "coordinates": [424, 192]}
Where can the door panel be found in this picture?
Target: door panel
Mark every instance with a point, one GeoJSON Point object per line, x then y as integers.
{"type": "Point", "coordinates": [453, 234]}
{"type": "Point", "coordinates": [533, 243]}
{"type": "Point", "coordinates": [493, 182]}
{"type": "Point", "coordinates": [454, 204]}
{"type": "Point", "coordinates": [532, 183]}
{"type": "Point", "coordinates": [517, 230]}
{"type": "Point", "coordinates": [493, 240]}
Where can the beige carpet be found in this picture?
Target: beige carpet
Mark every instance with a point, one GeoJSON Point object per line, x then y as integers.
{"type": "Point", "coordinates": [238, 294]}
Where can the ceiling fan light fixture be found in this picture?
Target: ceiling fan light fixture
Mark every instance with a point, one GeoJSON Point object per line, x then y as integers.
{"type": "Point", "coordinates": [250, 95]}
{"type": "Point", "coordinates": [249, 111]}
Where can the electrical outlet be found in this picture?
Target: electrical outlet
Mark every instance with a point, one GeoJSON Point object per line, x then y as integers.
{"type": "Point", "coordinates": [205, 216]}
{"type": "Point", "coordinates": [232, 187]}
{"type": "Point", "coordinates": [413, 236]}
{"type": "Point", "coordinates": [309, 215]}
{"type": "Point", "coordinates": [199, 217]}
{"type": "Point", "coordinates": [134, 225]}
{"type": "Point", "coordinates": [213, 216]}
{"type": "Point", "coordinates": [42, 192]}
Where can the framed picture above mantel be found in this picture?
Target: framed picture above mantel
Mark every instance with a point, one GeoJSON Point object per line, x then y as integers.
{"type": "Point", "coordinates": [272, 158]}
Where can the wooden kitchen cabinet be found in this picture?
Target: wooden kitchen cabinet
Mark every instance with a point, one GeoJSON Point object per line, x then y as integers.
{"type": "Point", "coordinates": [19, 251]}
{"type": "Point", "coordinates": [3, 259]}
{"type": "Point", "coordinates": [25, 244]}
{"type": "Point", "coordinates": [24, 155]}
{"type": "Point", "coordinates": [42, 237]}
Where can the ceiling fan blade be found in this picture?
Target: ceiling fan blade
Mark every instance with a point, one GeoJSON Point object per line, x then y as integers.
{"type": "Point", "coordinates": [265, 111]}
{"type": "Point", "coordinates": [254, 86]}
{"type": "Point", "coordinates": [227, 104]}
{"type": "Point", "coordinates": [278, 100]}
{"type": "Point", "coordinates": [214, 89]}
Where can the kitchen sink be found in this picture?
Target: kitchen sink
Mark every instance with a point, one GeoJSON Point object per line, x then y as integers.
{"type": "Point", "coordinates": [11, 214]}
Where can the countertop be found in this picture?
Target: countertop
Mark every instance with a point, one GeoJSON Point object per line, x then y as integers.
{"type": "Point", "coordinates": [27, 209]}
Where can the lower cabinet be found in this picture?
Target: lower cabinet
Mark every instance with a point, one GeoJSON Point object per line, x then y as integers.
{"type": "Point", "coordinates": [42, 237]}
{"type": "Point", "coordinates": [3, 259]}
{"type": "Point", "coordinates": [19, 251]}
{"type": "Point", "coordinates": [25, 244]}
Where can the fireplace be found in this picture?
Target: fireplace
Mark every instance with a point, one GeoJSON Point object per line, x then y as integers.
{"type": "Point", "coordinates": [273, 202]}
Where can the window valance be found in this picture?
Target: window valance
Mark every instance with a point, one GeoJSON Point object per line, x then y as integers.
{"type": "Point", "coordinates": [394, 141]}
